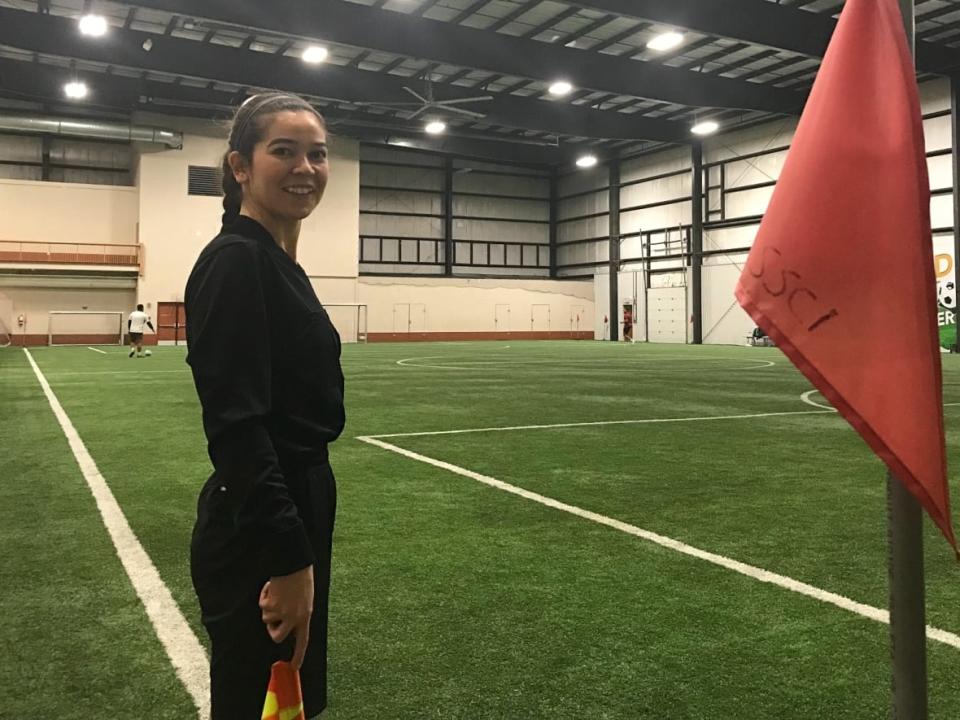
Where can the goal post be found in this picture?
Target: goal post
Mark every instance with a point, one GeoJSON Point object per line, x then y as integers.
{"type": "Point", "coordinates": [6, 339]}
{"type": "Point", "coordinates": [350, 320]}
{"type": "Point", "coordinates": [85, 327]}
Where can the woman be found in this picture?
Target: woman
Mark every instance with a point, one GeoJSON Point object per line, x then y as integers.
{"type": "Point", "coordinates": [266, 365]}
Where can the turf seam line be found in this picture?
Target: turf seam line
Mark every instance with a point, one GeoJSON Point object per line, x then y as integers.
{"type": "Point", "coordinates": [95, 350]}
{"type": "Point", "coordinates": [179, 641]}
{"type": "Point", "coordinates": [751, 571]}
{"type": "Point", "coordinates": [641, 421]}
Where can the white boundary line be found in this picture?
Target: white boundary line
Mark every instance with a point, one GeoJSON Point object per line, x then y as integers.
{"type": "Point", "coordinates": [67, 373]}
{"type": "Point", "coordinates": [844, 603]}
{"type": "Point", "coordinates": [807, 399]}
{"type": "Point", "coordinates": [95, 350]}
{"type": "Point", "coordinates": [182, 647]}
{"type": "Point", "coordinates": [483, 364]}
{"type": "Point", "coordinates": [643, 421]}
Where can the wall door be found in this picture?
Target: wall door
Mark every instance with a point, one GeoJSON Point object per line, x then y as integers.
{"type": "Point", "coordinates": [171, 322]}
{"type": "Point", "coordinates": [668, 314]}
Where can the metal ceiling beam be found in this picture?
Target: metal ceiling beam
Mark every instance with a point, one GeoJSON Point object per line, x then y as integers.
{"type": "Point", "coordinates": [365, 27]}
{"type": "Point", "coordinates": [552, 22]}
{"type": "Point", "coordinates": [56, 36]}
{"type": "Point", "coordinates": [44, 83]}
{"type": "Point", "coordinates": [757, 22]}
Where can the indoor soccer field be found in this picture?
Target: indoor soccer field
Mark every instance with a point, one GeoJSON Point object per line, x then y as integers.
{"type": "Point", "coordinates": [524, 530]}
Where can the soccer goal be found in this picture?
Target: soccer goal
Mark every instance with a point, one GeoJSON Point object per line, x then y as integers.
{"type": "Point", "coordinates": [350, 320]}
{"type": "Point", "coordinates": [6, 339]}
{"type": "Point", "coordinates": [85, 327]}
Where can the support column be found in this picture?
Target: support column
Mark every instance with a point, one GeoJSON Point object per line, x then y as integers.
{"type": "Point", "coordinates": [448, 216]}
{"type": "Point", "coordinates": [553, 222]}
{"type": "Point", "coordinates": [696, 241]}
{"type": "Point", "coordinates": [955, 156]}
{"type": "Point", "coordinates": [616, 316]}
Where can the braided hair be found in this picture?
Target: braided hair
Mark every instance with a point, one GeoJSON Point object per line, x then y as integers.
{"type": "Point", "coordinates": [245, 132]}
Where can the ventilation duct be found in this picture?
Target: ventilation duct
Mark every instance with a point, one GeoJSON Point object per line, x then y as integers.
{"type": "Point", "coordinates": [91, 129]}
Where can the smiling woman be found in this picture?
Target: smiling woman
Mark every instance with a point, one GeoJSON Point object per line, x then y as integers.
{"type": "Point", "coordinates": [266, 365]}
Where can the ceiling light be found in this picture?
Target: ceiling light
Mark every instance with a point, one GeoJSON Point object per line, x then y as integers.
{"type": "Point", "coordinates": [707, 127]}
{"type": "Point", "coordinates": [665, 41]}
{"type": "Point", "coordinates": [75, 90]}
{"type": "Point", "coordinates": [435, 128]}
{"type": "Point", "coordinates": [315, 54]}
{"type": "Point", "coordinates": [586, 161]}
{"type": "Point", "coordinates": [400, 143]}
{"type": "Point", "coordinates": [93, 25]}
{"type": "Point", "coordinates": [560, 88]}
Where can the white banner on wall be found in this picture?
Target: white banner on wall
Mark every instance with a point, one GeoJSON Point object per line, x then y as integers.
{"type": "Point", "coordinates": [945, 267]}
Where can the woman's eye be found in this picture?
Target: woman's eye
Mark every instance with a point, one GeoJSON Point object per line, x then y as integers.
{"type": "Point", "coordinates": [318, 156]}
{"type": "Point", "coordinates": [282, 152]}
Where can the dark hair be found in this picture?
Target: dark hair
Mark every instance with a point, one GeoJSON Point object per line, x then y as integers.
{"type": "Point", "coordinates": [140, 308]}
{"type": "Point", "coordinates": [246, 132]}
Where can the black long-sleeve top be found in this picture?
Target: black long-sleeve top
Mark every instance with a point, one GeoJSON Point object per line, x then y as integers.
{"type": "Point", "coordinates": [266, 364]}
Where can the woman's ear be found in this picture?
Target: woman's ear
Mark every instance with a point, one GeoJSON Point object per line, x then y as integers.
{"type": "Point", "coordinates": [238, 164]}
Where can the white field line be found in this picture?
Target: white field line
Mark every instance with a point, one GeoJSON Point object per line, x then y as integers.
{"type": "Point", "coordinates": [416, 362]}
{"type": "Point", "coordinates": [182, 646]}
{"type": "Point", "coordinates": [67, 373]}
{"type": "Point", "coordinates": [95, 350]}
{"type": "Point", "coordinates": [844, 603]}
{"type": "Point", "coordinates": [806, 397]}
{"type": "Point", "coordinates": [643, 421]}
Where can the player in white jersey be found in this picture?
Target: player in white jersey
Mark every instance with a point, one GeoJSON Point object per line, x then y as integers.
{"type": "Point", "coordinates": [136, 324]}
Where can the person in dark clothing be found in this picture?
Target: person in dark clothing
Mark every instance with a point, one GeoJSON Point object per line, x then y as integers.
{"type": "Point", "coordinates": [266, 364]}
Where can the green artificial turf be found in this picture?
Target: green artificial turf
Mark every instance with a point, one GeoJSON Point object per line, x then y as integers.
{"type": "Point", "coordinates": [452, 599]}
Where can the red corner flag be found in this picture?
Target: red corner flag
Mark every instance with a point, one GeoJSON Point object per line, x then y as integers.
{"type": "Point", "coordinates": [841, 273]}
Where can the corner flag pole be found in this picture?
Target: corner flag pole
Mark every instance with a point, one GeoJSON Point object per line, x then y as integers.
{"type": "Point", "coordinates": [908, 635]}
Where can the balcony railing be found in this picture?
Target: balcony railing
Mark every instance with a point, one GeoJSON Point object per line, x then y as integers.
{"type": "Point", "coordinates": [56, 253]}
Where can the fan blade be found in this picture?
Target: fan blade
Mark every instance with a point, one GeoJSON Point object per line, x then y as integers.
{"type": "Point", "coordinates": [463, 111]}
{"type": "Point", "coordinates": [374, 103]}
{"type": "Point", "coordinates": [479, 98]}
{"type": "Point", "coordinates": [415, 114]}
{"type": "Point", "coordinates": [417, 95]}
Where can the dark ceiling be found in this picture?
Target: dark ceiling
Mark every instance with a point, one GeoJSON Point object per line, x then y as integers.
{"type": "Point", "coordinates": [741, 62]}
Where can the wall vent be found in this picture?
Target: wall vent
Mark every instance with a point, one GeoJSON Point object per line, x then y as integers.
{"type": "Point", "coordinates": [204, 180]}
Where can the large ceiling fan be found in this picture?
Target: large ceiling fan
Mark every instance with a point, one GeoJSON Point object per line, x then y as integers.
{"type": "Point", "coordinates": [427, 101]}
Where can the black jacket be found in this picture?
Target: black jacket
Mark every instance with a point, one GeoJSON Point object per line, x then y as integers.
{"type": "Point", "coordinates": [266, 364]}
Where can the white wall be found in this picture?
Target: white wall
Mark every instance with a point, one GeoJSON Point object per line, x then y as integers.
{"type": "Point", "coordinates": [33, 211]}
{"type": "Point", "coordinates": [471, 305]}
{"type": "Point", "coordinates": [402, 208]}
{"type": "Point", "coordinates": [723, 320]}
{"type": "Point", "coordinates": [18, 297]}
{"type": "Point", "coordinates": [175, 226]}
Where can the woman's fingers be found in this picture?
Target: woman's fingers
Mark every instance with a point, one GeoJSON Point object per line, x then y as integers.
{"type": "Point", "coordinates": [279, 631]}
{"type": "Point", "coordinates": [301, 638]}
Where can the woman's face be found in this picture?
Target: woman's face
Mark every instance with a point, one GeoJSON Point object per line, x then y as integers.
{"type": "Point", "coordinates": [288, 174]}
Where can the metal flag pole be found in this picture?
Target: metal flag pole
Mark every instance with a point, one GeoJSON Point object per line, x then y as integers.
{"type": "Point", "coordinates": [908, 650]}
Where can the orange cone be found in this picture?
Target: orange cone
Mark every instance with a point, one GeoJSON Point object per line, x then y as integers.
{"type": "Point", "coordinates": [284, 699]}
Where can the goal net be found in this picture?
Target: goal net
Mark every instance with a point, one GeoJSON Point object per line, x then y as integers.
{"type": "Point", "coordinates": [86, 327]}
{"type": "Point", "coordinates": [6, 339]}
{"type": "Point", "coordinates": [350, 320]}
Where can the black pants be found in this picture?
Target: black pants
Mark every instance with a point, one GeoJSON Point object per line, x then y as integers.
{"type": "Point", "coordinates": [227, 577]}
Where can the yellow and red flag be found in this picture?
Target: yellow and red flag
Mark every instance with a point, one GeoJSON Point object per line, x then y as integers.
{"type": "Point", "coordinates": [284, 699]}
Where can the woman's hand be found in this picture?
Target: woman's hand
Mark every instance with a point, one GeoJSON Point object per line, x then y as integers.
{"type": "Point", "coordinates": [286, 604]}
